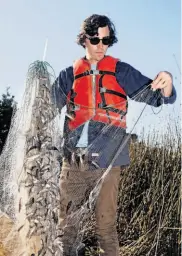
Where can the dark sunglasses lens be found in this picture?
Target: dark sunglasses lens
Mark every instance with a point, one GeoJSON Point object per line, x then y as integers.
{"type": "Point", "coordinates": [94, 40]}
{"type": "Point", "coordinates": [106, 41]}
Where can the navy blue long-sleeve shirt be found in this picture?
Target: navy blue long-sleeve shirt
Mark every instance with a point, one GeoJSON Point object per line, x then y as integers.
{"type": "Point", "coordinates": [109, 139]}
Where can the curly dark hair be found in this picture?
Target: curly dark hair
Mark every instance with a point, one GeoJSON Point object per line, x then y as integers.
{"type": "Point", "coordinates": [90, 27]}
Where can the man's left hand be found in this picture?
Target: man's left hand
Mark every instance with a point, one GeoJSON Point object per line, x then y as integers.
{"type": "Point", "coordinates": [163, 81]}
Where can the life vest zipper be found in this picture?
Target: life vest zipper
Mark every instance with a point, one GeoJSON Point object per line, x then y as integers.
{"type": "Point", "coordinates": [94, 68]}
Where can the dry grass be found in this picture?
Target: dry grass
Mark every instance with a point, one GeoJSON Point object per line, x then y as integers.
{"type": "Point", "coordinates": [6, 226]}
{"type": "Point", "coordinates": [3, 250]}
{"type": "Point", "coordinates": [9, 240]}
{"type": "Point", "coordinates": [149, 199]}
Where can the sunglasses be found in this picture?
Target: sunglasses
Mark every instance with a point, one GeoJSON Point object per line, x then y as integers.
{"type": "Point", "coordinates": [95, 40]}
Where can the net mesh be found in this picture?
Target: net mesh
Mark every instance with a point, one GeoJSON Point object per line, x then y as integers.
{"type": "Point", "coordinates": [50, 203]}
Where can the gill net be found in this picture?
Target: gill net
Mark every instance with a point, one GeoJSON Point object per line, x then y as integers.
{"type": "Point", "coordinates": [42, 219]}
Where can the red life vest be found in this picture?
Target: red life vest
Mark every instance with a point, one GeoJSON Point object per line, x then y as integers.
{"type": "Point", "coordinates": [96, 95]}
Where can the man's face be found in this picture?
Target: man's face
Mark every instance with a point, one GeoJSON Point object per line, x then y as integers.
{"type": "Point", "coordinates": [94, 53]}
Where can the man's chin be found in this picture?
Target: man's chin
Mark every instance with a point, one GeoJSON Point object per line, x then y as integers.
{"type": "Point", "coordinates": [100, 57]}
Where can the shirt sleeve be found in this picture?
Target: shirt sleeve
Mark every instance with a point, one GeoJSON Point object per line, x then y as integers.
{"type": "Point", "coordinates": [61, 88]}
{"type": "Point", "coordinates": [137, 86]}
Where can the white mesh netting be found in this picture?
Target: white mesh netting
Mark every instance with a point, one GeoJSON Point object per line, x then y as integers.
{"type": "Point", "coordinates": [39, 218]}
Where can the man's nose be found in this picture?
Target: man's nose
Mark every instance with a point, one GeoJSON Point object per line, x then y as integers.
{"type": "Point", "coordinates": [100, 44]}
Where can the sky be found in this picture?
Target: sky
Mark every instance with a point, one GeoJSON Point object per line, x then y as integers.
{"type": "Point", "coordinates": [149, 39]}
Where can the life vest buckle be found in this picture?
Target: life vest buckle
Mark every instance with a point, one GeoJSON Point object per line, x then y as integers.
{"type": "Point", "coordinates": [76, 107]}
{"type": "Point", "coordinates": [101, 105]}
{"type": "Point", "coordinates": [95, 72]}
{"type": "Point", "coordinates": [103, 89]}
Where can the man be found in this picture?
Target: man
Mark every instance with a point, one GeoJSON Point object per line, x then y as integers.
{"type": "Point", "coordinates": [95, 91]}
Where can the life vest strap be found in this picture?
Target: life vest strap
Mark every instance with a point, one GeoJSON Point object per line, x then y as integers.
{"type": "Point", "coordinates": [104, 90]}
{"type": "Point", "coordinates": [94, 72]}
{"type": "Point", "coordinates": [115, 110]}
{"type": "Point", "coordinates": [71, 104]}
{"type": "Point", "coordinates": [103, 97]}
